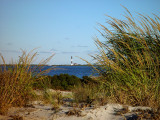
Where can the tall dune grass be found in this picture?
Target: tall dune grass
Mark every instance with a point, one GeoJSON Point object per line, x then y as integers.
{"type": "Point", "coordinates": [16, 80]}
{"type": "Point", "coordinates": [129, 59]}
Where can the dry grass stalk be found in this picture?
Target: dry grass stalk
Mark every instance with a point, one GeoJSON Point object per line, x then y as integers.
{"type": "Point", "coordinates": [16, 81]}
{"type": "Point", "coordinates": [129, 60]}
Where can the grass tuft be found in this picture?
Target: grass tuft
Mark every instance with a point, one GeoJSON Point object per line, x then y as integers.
{"type": "Point", "coordinates": [129, 60]}
{"type": "Point", "coordinates": [91, 94]}
{"type": "Point", "coordinates": [17, 79]}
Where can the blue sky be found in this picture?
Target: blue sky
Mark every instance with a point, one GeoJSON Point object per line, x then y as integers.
{"type": "Point", "coordinates": [62, 27]}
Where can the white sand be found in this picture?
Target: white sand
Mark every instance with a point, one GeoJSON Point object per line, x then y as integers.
{"type": "Point", "coordinates": [41, 111]}
{"type": "Point", "coordinates": [44, 112]}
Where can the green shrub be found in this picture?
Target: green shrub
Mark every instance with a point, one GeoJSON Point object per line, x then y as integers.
{"type": "Point", "coordinates": [42, 82]}
{"type": "Point", "coordinates": [88, 80]}
{"type": "Point", "coordinates": [64, 81]}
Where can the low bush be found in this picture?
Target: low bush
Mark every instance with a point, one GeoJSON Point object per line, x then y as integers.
{"type": "Point", "coordinates": [64, 81]}
{"type": "Point", "coordinates": [58, 82]}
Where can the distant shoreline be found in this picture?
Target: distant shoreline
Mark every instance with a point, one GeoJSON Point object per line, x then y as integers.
{"type": "Point", "coordinates": [43, 65]}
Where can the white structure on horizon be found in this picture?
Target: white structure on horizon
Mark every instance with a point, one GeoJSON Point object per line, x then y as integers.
{"type": "Point", "coordinates": [71, 60]}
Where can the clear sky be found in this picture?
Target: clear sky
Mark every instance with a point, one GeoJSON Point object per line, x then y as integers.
{"type": "Point", "coordinates": [63, 27]}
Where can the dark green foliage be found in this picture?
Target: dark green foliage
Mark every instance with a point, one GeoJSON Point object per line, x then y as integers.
{"type": "Point", "coordinates": [42, 82]}
{"type": "Point", "coordinates": [87, 80]}
{"type": "Point", "coordinates": [59, 82]}
{"type": "Point", "coordinates": [62, 82]}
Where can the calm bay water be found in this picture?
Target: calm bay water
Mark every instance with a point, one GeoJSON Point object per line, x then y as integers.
{"type": "Point", "coordinates": [78, 71]}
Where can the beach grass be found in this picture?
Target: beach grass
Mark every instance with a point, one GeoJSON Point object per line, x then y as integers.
{"type": "Point", "coordinates": [90, 93]}
{"type": "Point", "coordinates": [17, 79]}
{"type": "Point", "coordinates": [129, 59]}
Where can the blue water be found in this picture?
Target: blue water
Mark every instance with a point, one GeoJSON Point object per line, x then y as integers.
{"type": "Point", "coordinates": [78, 71]}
